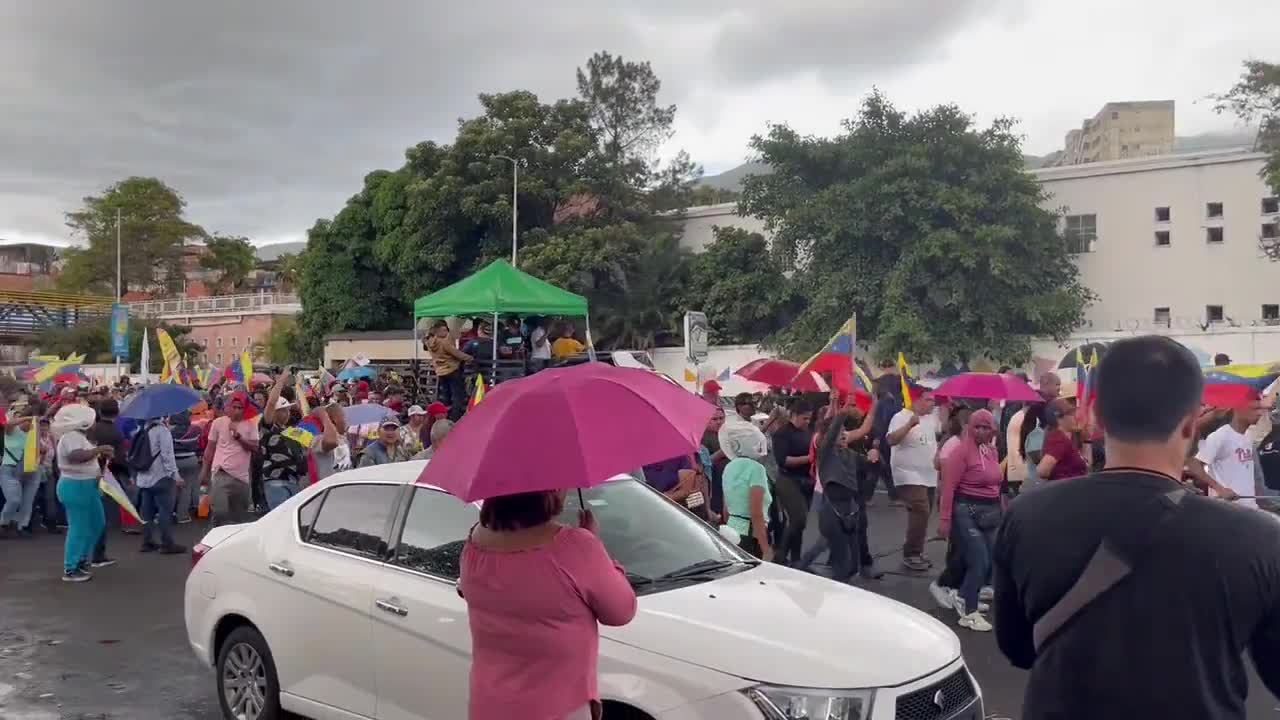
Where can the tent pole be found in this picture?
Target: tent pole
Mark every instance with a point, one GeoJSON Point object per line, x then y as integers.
{"type": "Point", "coordinates": [591, 346]}
{"type": "Point", "coordinates": [493, 336]}
{"type": "Point", "coordinates": [417, 373]}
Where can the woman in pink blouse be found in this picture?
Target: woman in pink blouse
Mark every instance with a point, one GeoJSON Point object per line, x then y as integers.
{"type": "Point", "coordinates": [971, 510]}
{"type": "Point", "coordinates": [535, 591]}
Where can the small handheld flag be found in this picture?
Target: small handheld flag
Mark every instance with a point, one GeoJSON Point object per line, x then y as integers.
{"type": "Point", "coordinates": [479, 393]}
{"type": "Point", "coordinates": [300, 390]}
{"type": "Point", "coordinates": [31, 453]}
{"type": "Point", "coordinates": [689, 376]}
{"type": "Point", "coordinates": [305, 432]}
{"type": "Point", "coordinates": [904, 375]}
{"type": "Point", "coordinates": [111, 488]}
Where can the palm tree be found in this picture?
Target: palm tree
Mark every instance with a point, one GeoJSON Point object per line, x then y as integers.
{"type": "Point", "coordinates": [642, 312]}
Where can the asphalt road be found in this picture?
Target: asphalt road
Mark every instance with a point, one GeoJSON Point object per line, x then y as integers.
{"type": "Point", "coordinates": [115, 648]}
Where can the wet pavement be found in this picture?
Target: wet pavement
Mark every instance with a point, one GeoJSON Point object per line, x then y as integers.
{"type": "Point", "coordinates": [116, 648]}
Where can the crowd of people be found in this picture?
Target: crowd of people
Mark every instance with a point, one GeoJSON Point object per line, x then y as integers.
{"type": "Point", "coordinates": [239, 452]}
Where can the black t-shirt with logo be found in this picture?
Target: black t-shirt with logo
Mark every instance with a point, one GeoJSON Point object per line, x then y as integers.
{"type": "Point", "coordinates": [1165, 642]}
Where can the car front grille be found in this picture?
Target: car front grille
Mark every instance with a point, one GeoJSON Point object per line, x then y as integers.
{"type": "Point", "coordinates": [938, 701]}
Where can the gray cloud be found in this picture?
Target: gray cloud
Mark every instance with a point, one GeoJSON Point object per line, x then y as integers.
{"type": "Point", "coordinates": [266, 115]}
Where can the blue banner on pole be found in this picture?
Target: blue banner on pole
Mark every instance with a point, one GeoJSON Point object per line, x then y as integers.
{"type": "Point", "coordinates": [120, 331]}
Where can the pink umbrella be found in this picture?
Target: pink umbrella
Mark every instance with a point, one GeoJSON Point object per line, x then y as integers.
{"type": "Point", "coordinates": [987, 386]}
{"type": "Point", "coordinates": [782, 374]}
{"type": "Point", "coordinates": [572, 427]}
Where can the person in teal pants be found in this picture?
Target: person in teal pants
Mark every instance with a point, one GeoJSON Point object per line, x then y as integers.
{"type": "Point", "coordinates": [78, 488]}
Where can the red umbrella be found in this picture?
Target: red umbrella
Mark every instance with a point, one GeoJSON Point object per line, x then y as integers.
{"type": "Point", "coordinates": [987, 386]}
{"type": "Point", "coordinates": [771, 371]}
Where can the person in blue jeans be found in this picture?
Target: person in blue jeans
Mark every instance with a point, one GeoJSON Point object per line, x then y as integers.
{"type": "Point", "coordinates": [78, 488]}
{"type": "Point", "coordinates": [157, 486]}
{"type": "Point", "coordinates": [19, 487]}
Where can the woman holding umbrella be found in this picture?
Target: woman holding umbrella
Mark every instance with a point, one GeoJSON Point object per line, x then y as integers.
{"type": "Point", "coordinates": [537, 590]}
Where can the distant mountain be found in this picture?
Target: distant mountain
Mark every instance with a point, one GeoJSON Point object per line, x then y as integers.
{"type": "Point", "coordinates": [272, 252]}
{"type": "Point", "coordinates": [731, 179]}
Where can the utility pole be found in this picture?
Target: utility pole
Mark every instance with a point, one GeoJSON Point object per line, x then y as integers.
{"type": "Point", "coordinates": [119, 286]}
{"type": "Point", "coordinates": [515, 198]}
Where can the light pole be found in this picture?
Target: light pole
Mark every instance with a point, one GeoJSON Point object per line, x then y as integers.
{"type": "Point", "coordinates": [118, 283]}
{"type": "Point", "coordinates": [515, 198]}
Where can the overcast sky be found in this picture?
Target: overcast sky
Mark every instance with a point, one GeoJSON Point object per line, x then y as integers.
{"type": "Point", "coordinates": [267, 114]}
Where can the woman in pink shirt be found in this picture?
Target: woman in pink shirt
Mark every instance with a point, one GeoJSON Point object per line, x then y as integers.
{"type": "Point", "coordinates": [971, 510]}
{"type": "Point", "coordinates": [535, 591]}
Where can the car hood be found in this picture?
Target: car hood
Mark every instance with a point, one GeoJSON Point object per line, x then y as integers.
{"type": "Point", "coordinates": [784, 627]}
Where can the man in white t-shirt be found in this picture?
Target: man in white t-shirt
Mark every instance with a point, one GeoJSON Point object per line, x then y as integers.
{"type": "Point", "coordinates": [913, 433]}
{"type": "Point", "coordinates": [1224, 461]}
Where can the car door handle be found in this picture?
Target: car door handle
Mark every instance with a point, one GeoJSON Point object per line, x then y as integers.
{"type": "Point", "coordinates": [388, 606]}
{"type": "Point", "coordinates": [279, 569]}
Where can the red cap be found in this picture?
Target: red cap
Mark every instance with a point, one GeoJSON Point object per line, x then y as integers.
{"type": "Point", "coordinates": [363, 386]}
{"type": "Point", "coordinates": [437, 409]}
{"type": "Point", "coordinates": [711, 386]}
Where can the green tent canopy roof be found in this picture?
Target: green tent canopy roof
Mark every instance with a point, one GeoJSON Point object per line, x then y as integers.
{"type": "Point", "coordinates": [500, 288]}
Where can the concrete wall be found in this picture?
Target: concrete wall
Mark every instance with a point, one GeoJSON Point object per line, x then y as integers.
{"type": "Point", "coordinates": [700, 223]}
{"type": "Point", "coordinates": [338, 351]}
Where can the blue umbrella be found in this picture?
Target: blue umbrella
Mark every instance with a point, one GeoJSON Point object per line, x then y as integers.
{"type": "Point", "coordinates": [358, 373]}
{"type": "Point", "coordinates": [161, 401]}
{"type": "Point", "coordinates": [367, 413]}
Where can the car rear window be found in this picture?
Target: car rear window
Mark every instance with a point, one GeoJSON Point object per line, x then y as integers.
{"type": "Point", "coordinates": [354, 518]}
{"type": "Point", "coordinates": [435, 530]}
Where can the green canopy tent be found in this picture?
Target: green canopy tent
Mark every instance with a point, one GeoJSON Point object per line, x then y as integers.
{"type": "Point", "coordinates": [498, 289]}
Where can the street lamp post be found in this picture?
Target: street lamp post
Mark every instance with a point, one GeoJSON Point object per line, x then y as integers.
{"type": "Point", "coordinates": [119, 285]}
{"type": "Point", "coordinates": [515, 197]}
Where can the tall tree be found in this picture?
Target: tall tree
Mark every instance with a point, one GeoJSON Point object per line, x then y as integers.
{"type": "Point", "coordinates": [232, 257]}
{"type": "Point", "coordinates": [1255, 99]}
{"type": "Point", "coordinates": [925, 225]}
{"type": "Point", "coordinates": [152, 234]}
{"type": "Point", "coordinates": [745, 296]}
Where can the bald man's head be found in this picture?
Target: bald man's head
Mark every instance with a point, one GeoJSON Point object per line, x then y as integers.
{"type": "Point", "coordinates": [1050, 385]}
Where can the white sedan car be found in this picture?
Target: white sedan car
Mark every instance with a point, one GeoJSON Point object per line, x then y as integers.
{"type": "Point", "coordinates": [342, 604]}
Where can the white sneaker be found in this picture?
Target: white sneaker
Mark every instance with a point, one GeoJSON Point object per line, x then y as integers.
{"type": "Point", "coordinates": [975, 622]}
{"type": "Point", "coordinates": [957, 604]}
{"type": "Point", "coordinates": [945, 597]}
{"type": "Point", "coordinates": [986, 593]}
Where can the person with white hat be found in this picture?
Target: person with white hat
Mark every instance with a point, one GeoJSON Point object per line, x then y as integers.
{"type": "Point", "coordinates": [411, 434]}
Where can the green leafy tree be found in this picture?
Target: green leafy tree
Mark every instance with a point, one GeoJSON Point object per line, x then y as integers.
{"type": "Point", "coordinates": [93, 339]}
{"type": "Point", "coordinates": [1255, 99]}
{"type": "Point", "coordinates": [923, 224]}
{"type": "Point", "coordinates": [734, 281]}
{"type": "Point", "coordinates": [153, 231]}
{"type": "Point", "coordinates": [232, 257]}
{"type": "Point", "coordinates": [284, 345]}
{"type": "Point", "coordinates": [289, 270]}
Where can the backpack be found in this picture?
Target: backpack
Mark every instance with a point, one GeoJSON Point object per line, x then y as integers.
{"type": "Point", "coordinates": [1268, 455]}
{"type": "Point", "coordinates": [140, 457]}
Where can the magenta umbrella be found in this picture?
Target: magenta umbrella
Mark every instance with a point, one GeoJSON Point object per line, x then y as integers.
{"type": "Point", "coordinates": [572, 427]}
{"type": "Point", "coordinates": [987, 386]}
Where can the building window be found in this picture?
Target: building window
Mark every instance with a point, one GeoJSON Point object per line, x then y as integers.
{"type": "Point", "coordinates": [1161, 317]}
{"type": "Point", "coordinates": [1162, 238]}
{"type": "Point", "coordinates": [1162, 214]}
{"type": "Point", "coordinates": [1271, 206]}
{"type": "Point", "coordinates": [1213, 235]}
{"type": "Point", "coordinates": [248, 341]}
{"type": "Point", "coordinates": [219, 358]}
{"type": "Point", "coordinates": [1081, 233]}
{"type": "Point", "coordinates": [1271, 231]}
{"type": "Point", "coordinates": [1213, 313]}
{"type": "Point", "coordinates": [219, 342]}
{"type": "Point", "coordinates": [1271, 312]}
{"type": "Point", "coordinates": [233, 341]}
{"type": "Point", "coordinates": [1115, 115]}
{"type": "Point", "coordinates": [1213, 210]}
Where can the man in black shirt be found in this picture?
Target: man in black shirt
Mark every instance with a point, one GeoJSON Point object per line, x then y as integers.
{"type": "Point", "coordinates": [1124, 594]}
{"type": "Point", "coordinates": [794, 487]}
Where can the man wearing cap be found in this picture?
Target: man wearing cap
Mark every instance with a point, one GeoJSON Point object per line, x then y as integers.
{"type": "Point", "coordinates": [387, 448]}
{"type": "Point", "coordinates": [711, 392]}
{"type": "Point", "coordinates": [414, 435]}
{"type": "Point", "coordinates": [233, 439]}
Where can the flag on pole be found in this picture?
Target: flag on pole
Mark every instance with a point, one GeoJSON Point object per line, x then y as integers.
{"type": "Point", "coordinates": [146, 356]}
{"type": "Point", "coordinates": [1082, 374]}
{"type": "Point", "coordinates": [689, 376]}
{"type": "Point", "coordinates": [844, 343]}
{"type": "Point", "coordinates": [479, 393]}
{"type": "Point", "coordinates": [301, 391]}
{"type": "Point", "coordinates": [111, 488]}
{"type": "Point", "coordinates": [724, 374]}
{"type": "Point", "coordinates": [172, 360]}
{"type": "Point", "coordinates": [31, 452]}
{"type": "Point", "coordinates": [904, 376]}
{"type": "Point", "coordinates": [240, 370]}
{"type": "Point", "coordinates": [1091, 383]}
{"type": "Point", "coordinates": [326, 378]}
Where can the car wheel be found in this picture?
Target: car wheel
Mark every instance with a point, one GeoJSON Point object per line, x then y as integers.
{"type": "Point", "coordinates": [247, 685]}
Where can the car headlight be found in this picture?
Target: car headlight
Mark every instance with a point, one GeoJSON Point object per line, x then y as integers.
{"type": "Point", "coordinates": [790, 703]}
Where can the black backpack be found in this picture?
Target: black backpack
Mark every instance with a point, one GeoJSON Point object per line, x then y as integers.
{"type": "Point", "coordinates": [1268, 456]}
{"type": "Point", "coordinates": [140, 456]}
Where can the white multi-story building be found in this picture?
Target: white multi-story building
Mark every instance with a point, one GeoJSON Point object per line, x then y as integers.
{"type": "Point", "coordinates": [1171, 242]}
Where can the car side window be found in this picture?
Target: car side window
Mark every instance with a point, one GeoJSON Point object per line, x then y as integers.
{"type": "Point", "coordinates": [434, 532]}
{"type": "Point", "coordinates": [353, 518]}
{"type": "Point", "coordinates": [307, 515]}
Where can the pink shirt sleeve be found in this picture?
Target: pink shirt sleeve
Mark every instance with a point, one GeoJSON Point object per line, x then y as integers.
{"type": "Point", "coordinates": [599, 579]}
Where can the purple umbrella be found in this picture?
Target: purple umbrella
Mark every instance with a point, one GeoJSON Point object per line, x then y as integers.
{"type": "Point", "coordinates": [572, 427]}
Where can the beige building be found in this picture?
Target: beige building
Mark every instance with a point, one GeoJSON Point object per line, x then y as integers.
{"type": "Point", "coordinates": [1119, 131]}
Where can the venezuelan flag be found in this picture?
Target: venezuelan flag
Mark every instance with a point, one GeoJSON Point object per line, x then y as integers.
{"type": "Point", "coordinates": [479, 393]}
{"type": "Point", "coordinates": [305, 432]}
{"type": "Point", "coordinates": [904, 375]}
{"type": "Point", "coordinates": [240, 370]}
{"type": "Point", "coordinates": [1230, 386]}
{"type": "Point", "coordinates": [836, 357]}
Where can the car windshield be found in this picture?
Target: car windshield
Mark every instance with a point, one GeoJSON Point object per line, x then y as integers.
{"type": "Point", "coordinates": [660, 545]}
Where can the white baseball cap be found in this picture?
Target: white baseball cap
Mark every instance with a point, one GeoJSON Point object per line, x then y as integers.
{"type": "Point", "coordinates": [281, 404]}
{"type": "Point", "coordinates": [416, 410]}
